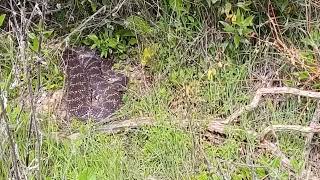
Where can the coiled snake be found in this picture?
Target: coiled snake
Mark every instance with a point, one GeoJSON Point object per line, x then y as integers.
{"type": "Point", "coordinates": [93, 89]}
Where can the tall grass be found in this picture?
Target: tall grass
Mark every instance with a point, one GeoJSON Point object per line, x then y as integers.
{"type": "Point", "coordinates": [190, 69]}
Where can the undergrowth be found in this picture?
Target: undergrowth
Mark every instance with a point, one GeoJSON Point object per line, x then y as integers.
{"type": "Point", "coordinates": [192, 61]}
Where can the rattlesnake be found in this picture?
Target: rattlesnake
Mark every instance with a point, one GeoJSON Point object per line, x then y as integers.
{"type": "Point", "coordinates": [93, 89]}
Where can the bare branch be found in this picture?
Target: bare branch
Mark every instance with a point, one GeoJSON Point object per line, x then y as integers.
{"type": "Point", "coordinates": [119, 126]}
{"type": "Point", "coordinates": [111, 128]}
{"type": "Point", "coordinates": [85, 22]}
{"type": "Point", "coordinates": [274, 149]}
{"type": "Point", "coordinates": [298, 128]}
{"type": "Point", "coordinates": [275, 90]}
{"type": "Point", "coordinates": [3, 115]}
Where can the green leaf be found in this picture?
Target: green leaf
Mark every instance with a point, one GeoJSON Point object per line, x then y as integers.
{"type": "Point", "coordinates": [313, 39]}
{"type": "Point", "coordinates": [125, 33]}
{"type": "Point", "coordinates": [191, 19]}
{"type": "Point", "coordinates": [177, 6]}
{"type": "Point", "coordinates": [93, 37]}
{"type": "Point", "coordinates": [239, 18]}
{"type": "Point", "coordinates": [302, 75]}
{"type": "Point", "coordinates": [315, 35]}
{"type": "Point", "coordinates": [121, 48]}
{"type": "Point", "coordinates": [104, 53]}
{"type": "Point", "coordinates": [93, 46]}
{"type": "Point", "coordinates": [211, 73]}
{"type": "Point", "coordinates": [236, 40]}
{"type": "Point", "coordinates": [139, 25]}
{"type": "Point", "coordinates": [148, 54]}
{"type": "Point", "coordinates": [240, 31]}
{"type": "Point", "coordinates": [2, 17]}
{"type": "Point", "coordinates": [123, 56]}
{"type": "Point", "coordinates": [133, 41]}
{"type": "Point", "coordinates": [112, 42]}
{"type": "Point", "coordinates": [308, 57]}
{"type": "Point", "coordinates": [214, 1]}
{"type": "Point", "coordinates": [93, 5]}
{"type": "Point", "coordinates": [244, 5]}
{"type": "Point", "coordinates": [247, 31]}
{"type": "Point", "coordinates": [47, 34]}
{"type": "Point", "coordinates": [248, 21]}
{"type": "Point", "coordinates": [227, 27]}
{"type": "Point", "coordinates": [35, 44]}
{"type": "Point", "coordinates": [87, 175]}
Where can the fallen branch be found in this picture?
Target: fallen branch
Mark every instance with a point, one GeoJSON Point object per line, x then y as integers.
{"type": "Point", "coordinates": [110, 128]}
{"type": "Point", "coordinates": [275, 90]}
{"type": "Point", "coordinates": [119, 126]}
{"type": "Point", "coordinates": [299, 128]}
{"type": "Point", "coordinates": [275, 150]}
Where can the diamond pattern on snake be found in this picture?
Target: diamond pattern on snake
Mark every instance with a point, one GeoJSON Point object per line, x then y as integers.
{"type": "Point", "coordinates": [93, 89]}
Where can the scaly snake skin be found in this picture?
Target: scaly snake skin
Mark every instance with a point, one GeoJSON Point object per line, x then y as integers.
{"type": "Point", "coordinates": [93, 89]}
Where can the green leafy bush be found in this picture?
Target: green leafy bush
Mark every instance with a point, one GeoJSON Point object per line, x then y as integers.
{"type": "Point", "coordinates": [111, 41]}
{"type": "Point", "coordinates": [238, 24]}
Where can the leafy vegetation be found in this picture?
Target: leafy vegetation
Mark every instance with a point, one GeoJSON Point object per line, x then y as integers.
{"type": "Point", "coordinates": [188, 61]}
{"type": "Point", "coordinates": [110, 41]}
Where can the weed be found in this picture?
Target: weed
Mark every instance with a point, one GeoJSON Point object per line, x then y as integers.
{"type": "Point", "coordinates": [199, 70]}
{"type": "Point", "coordinates": [239, 26]}
{"type": "Point", "coordinates": [111, 41]}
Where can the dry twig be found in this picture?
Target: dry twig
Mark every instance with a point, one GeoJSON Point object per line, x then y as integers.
{"type": "Point", "coordinates": [291, 53]}
{"type": "Point", "coordinates": [275, 90]}
{"type": "Point", "coordinates": [111, 128]}
{"type": "Point", "coordinates": [118, 126]}
{"type": "Point", "coordinates": [3, 115]}
{"type": "Point", "coordinates": [274, 149]}
{"type": "Point", "coordinates": [85, 22]}
{"type": "Point", "coordinates": [21, 30]}
{"type": "Point", "coordinates": [298, 128]}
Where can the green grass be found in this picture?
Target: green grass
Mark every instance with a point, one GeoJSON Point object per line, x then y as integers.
{"type": "Point", "coordinates": [180, 90]}
{"type": "Point", "coordinates": [167, 151]}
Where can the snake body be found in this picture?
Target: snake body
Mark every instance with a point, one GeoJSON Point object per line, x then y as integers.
{"type": "Point", "coordinates": [93, 89]}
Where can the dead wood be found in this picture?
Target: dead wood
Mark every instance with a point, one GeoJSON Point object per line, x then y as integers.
{"type": "Point", "coordinates": [275, 150]}
{"type": "Point", "coordinates": [274, 90]}
{"type": "Point", "coordinates": [111, 128]}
